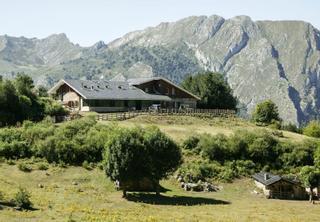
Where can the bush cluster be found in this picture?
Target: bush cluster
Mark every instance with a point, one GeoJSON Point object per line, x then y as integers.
{"type": "Point", "coordinates": [224, 158]}
{"type": "Point", "coordinates": [70, 143]}
{"type": "Point", "coordinates": [83, 142]}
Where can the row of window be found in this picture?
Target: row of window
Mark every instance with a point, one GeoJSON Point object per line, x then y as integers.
{"type": "Point", "coordinates": [104, 103]}
{"type": "Point", "coordinates": [118, 103]}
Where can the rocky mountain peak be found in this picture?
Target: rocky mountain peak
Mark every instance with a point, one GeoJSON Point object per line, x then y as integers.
{"type": "Point", "coordinates": [278, 60]}
{"type": "Point", "coordinates": [99, 45]}
{"type": "Point", "coordinates": [59, 36]}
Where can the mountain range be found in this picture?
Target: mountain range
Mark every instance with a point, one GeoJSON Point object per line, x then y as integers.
{"type": "Point", "coordinates": [278, 60]}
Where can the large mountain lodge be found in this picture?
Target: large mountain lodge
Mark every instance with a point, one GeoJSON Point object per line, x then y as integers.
{"type": "Point", "coordinates": [117, 96]}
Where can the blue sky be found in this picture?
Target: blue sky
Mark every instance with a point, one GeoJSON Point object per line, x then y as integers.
{"type": "Point", "coordinates": [88, 21]}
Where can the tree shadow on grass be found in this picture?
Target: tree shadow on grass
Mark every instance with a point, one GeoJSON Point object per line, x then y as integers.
{"type": "Point", "coordinates": [12, 205]}
{"type": "Point", "coordinates": [149, 198]}
{"type": "Point", "coordinates": [6, 204]}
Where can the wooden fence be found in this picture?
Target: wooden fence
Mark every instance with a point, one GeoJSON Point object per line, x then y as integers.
{"type": "Point", "coordinates": [209, 113]}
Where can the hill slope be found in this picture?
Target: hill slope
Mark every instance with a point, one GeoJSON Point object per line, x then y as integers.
{"type": "Point", "coordinates": [264, 59]}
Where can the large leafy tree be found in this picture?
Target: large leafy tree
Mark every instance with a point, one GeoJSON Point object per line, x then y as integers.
{"type": "Point", "coordinates": [24, 85]}
{"type": "Point", "coordinates": [266, 112]}
{"type": "Point", "coordinates": [42, 91]}
{"type": "Point", "coordinates": [310, 177]}
{"type": "Point", "coordinates": [317, 157]}
{"type": "Point", "coordinates": [312, 129]}
{"type": "Point", "coordinates": [135, 155]}
{"type": "Point", "coordinates": [32, 108]}
{"type": "Point", "coordinates": [164, 154]}
{"type": "Point", "coordinates": [19, 102]}
{"type": "Point", "coordinates": [214, 91]}
{"type": "Point", "coordinates": [9, 103]}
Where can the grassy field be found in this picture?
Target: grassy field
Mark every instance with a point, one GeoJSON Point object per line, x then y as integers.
{"type": "Point", "coordinates": [76, 194]}
{"type": "Point", "coordinates": [181, 127]}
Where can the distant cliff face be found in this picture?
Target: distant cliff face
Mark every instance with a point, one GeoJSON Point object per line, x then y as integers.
{"type": "Point", "coordinates": [278, 60]}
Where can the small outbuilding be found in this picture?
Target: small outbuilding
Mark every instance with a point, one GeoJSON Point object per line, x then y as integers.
{"type": "Point", "coordinates": [278, 187]}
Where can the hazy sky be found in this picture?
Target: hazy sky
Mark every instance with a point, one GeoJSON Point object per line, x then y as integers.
{"type": "Point", "coordinates": [88, 21]}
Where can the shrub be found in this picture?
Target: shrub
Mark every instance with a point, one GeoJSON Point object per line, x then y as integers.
{"type": "Point", "coordinates": [62, 164]}
{"type": "Point", "coordinates": [52, 107]}
{"type": "Point", "coordinates": [277, 133]}
{"type": "Point", "coordinates": [214, 147]}
{"type": "Point", "coordinates": [86, 165]}
{"type": "Point", "coordinates": [238, 144]}
{"type": "Point", "coordinates": [22, 199]}
{"type": "Point", "coordinates": [297, 154]}
{"type": "Point", "coordinates": [242, 167]}
{"type": "Point", "coordinates": [14, 150]}
{"type": "Point", "coordinates": [263, 149]}
{"type": "Point", "coordinates": [209, 170]}
{"type": "Point", "coordinates": [275, 124]}
{"type": "Point", "coordinates": [24, 167]}
{"type": "Point", "coordinates": [291, 128]}
{"type": "Point", "coordinates": [73, 142]}
{"type": "Point", "coordinates": [201, 170]}
{"type": "Point", "coordinates": [191, 142]}
{"type": "Point", "coordinates": [33, 132]}
{"type": "Point", "coordinates": [227, 175]}
{"type": "Point", "coordinates": [312, 129]}
{"type": "Point", "coordinates": [235, 169]}
{"type": "Point", "coordinates": [100, 165]}
{"type": "Point", "coordinates": [12, 144]}
{"type": "Point", "coordinates": [43, 166]}
{"type": "Point", "coordinates": [95, 140]}
{"type": "Point", "coordinates": [10, 162]}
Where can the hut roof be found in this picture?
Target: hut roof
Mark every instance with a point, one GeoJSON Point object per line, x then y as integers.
{"type": "Point", "coordinates": [268, 178]}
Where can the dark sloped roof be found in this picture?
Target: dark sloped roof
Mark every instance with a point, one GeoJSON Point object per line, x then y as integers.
{"type": "Point", "coordinates": [113, 90]}
{"type": "Point", "coordinates": [139, 81]}
{"type": "Point", "coordinates": [271, 179]}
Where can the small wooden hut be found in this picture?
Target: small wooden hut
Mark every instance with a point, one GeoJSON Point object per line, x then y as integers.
{"type": "Point", "coordinates": [278, 187]}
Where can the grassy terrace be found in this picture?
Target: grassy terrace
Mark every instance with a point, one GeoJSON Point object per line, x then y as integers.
{"type": "Point", "coordinates": [94, 199]}
{"type": "Point", "coordinates": [181, 127]}
{"type": "Point", "coordinates": [77, 194]}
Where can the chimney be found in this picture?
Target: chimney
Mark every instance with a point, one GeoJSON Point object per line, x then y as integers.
{"type": "Point", "coordinates": [266, 176]}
